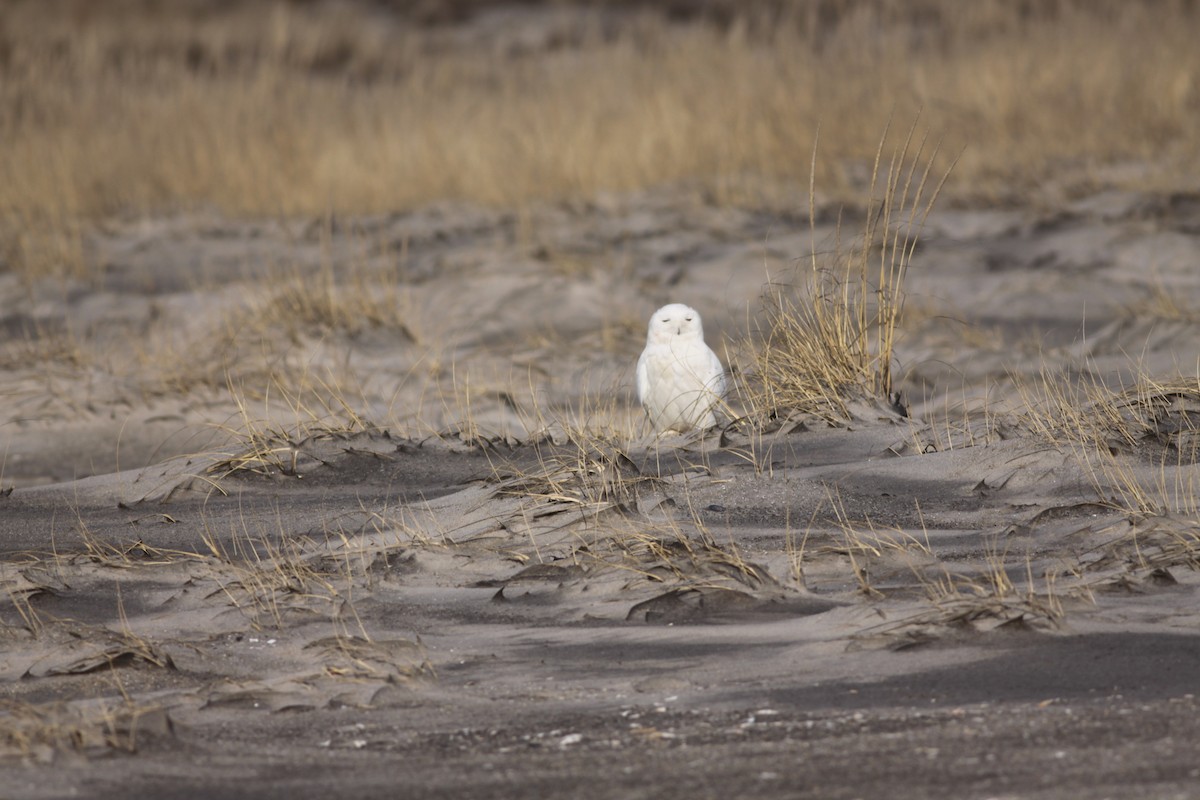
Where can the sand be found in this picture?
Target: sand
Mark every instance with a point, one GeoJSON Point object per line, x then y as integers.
{"type": "Point", "coordinates": [448, 594]}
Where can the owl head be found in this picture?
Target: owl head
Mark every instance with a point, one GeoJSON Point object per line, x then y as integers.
{"type": "Point", "coordinates": [675, 322]}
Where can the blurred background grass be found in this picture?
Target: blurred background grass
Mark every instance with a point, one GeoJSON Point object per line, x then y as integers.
{"type": "Point", "coordinates": [116, 107]}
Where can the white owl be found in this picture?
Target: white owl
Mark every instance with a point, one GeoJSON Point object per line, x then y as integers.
{"type": "Point", "coordinates": [679, 379]}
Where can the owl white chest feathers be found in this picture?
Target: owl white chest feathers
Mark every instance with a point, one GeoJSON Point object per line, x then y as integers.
{"type": "Point", "coordinates": [680, 380]}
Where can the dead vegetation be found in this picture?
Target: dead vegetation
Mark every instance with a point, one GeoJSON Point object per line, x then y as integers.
{"type": "Point", "coordinates": [46, 348]}
{"type": "Point", "coordinates": [1115, 433]}
{"type": "Point", "coordinates": [42, 732]}
{"type": "Point", "coordinates": [958, 597]}
{"type": "Point", "coordinates": [1137, 445]}
{"type": "Point", "coordinates": [1162, 304]}
{"type": "Point", "coordinates": [829, 339]}
{"type": "Point", "coordinates": [325, 304]}
{"type": "Point", "coordinates": [298, 109]}
{"type": "Point", "coordinates": [264, 582]}
{"type": "Point", "coordinates": [262, 445]}
{"type": "Point", "coordinates": [590, 475]}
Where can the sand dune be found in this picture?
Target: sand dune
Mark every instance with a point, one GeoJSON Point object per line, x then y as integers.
{"type": "Point", "coordinates": [409, 540]}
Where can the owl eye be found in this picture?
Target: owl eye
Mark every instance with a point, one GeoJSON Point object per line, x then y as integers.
{"type": "Point", "coordinates": [689, 319]}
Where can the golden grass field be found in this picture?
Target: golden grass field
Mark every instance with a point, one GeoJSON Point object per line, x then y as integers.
{"type": "Point", "coordinates": [278, 109]}
{"type": "Point", "coordinates": [321, 467]}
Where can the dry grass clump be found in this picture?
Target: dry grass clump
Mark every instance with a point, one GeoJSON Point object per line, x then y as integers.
{"type": "Point", "coordinates": [1145, 549]}
{"type": "Point", "coordinates": [288, 418]}
{"type": "Point", "coordinates": [327, 303]}
{"type": "Point", "coordinates": [1165, 413]}
{"type": "Point", "coordinates": [591, 474]}
{"type": "Point", "coordinates": [829, 338]}
{"type": "Point", "coordinates": [994, 594]}
{"type": "Point", "coordinates": [359, 658]}
{"type": "Point", "coordinates": [268, 578]}
{"type": "Point", "coordinates": [263, 446]}
{"type": "Point", "coordinates": [359, 291]}
{"type": "Point", "coordinates": [693, 579]}
{"type": "Point", "coordinates": [69, 646]}
{"type": "Point", "coordinates": [1140, 445]}
{"type": "Point", "coordinates": [290, 108]}
{"type": "Point", "coordinates": [988, 598]}
{"type": "Point", "coordinates": [125, 555]}
{"type": "Point", "coordinates": [271, 451]}
{"type": "Point", "coordinates": [276, 576]}
{"type": "Point", "coordinates": [40, 732]}
{"type": "Point", "coordinates": [1149, 417]}
{"type": "Point", "coordinates": [1073, 410]}
{"type": "Point", "coordinates": [985, 604]}
{"type": "Point", "coordinates": [1165, 305]}
{"type": "Point", "coordinates": [42, 345]}
{"type": "Point", "coordinates": [898, 566]}
{"type": "Point", "coordinates": [275, 350]}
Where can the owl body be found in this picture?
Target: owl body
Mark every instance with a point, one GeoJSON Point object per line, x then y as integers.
{"type": "Point", "coordinates": [680, 380]}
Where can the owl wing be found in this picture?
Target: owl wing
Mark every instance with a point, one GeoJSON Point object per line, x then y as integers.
{"type": "Point", "coordinates": [643, 376]}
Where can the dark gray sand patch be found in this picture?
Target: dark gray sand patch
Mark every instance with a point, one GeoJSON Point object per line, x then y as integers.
{"type": "Point", "coordinates": [1030, 668]}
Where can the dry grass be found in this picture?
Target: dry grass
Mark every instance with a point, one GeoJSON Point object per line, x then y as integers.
{"type": "Point", "coordinates": [1139, 446]}
{"type": "Point", "coordinates": [680, 558]}
{"type": "Point", "coordinates": [985, 597]}
{"type": "Point", "coordinates": [341, 296]}
{"type": "Point", "coordinates": [292, 109]}
{"type": "Point", "coordinates": [974, 595]}
{"type": "Point", "coordinates": [327, 303]}
{"type": "Point", "coordinates": [289, 318]}
{"type": "Point", "coordinates": [276, 428]}
{"type": "Point", "coordinates": [1165, 305]}
{"type": "Point", "coordinates": [992, 598]}
{"type": "Point", "coordinates": [586, 502]}
{"type": "Point", "coordinates": [266, 578]}
{"type": "Point", "coordinates": [125, 555]}
{"type": "Point", "coordinates": [51, 348]}
{"type": "Point", "coordinates": [829, 338]}
{"type": "Point", "coordinates": [592, 475]}
{"type": "Point", "coordinates": [1146, 549]}
{"type": "Point", "coordinates": [41, 732]}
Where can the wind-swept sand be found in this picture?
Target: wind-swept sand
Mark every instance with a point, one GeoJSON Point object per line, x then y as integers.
{"type": "Point", "coordinates": [404, 572]}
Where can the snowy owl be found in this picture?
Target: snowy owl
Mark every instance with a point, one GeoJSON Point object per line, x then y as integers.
{"type": "Point", "coordinates": [679, 379]}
